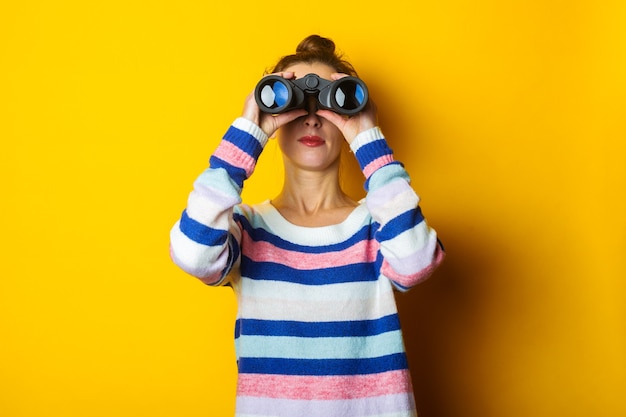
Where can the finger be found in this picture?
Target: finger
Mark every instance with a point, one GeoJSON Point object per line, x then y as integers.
{"type": "Point", "coordinates": [284, 74]}
{"type": "Point", "coordinates": [285, 118]}
{"type": "Point", "coordinates": [332, 117]}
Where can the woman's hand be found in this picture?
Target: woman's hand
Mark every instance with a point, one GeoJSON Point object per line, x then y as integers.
{"type": "Point", "coordinates": [351, 126]}
{"type": "Point", "coordinates": [267, 122]}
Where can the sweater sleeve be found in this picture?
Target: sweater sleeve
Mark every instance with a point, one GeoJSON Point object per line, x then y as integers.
{"type": "Point", "coordinates": [409, 247]}
{"type": "Point", "coordinates": [205, 242]}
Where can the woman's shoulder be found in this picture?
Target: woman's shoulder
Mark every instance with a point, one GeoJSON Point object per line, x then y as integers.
{"type": "Point", "coordinates": [255, 214]}
{"type": "Point", "coordinates": [251, 210]}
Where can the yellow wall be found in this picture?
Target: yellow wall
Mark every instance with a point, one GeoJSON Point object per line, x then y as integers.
{"type": "Point", "coordinates": [508, 115]}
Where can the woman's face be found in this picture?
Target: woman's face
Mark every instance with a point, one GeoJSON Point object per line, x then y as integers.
{"type": "Point", "coordinates": [311, 142]}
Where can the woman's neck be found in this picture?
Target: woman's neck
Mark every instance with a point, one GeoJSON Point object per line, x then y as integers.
{"type": "Point", "coordinates": [313, 199]}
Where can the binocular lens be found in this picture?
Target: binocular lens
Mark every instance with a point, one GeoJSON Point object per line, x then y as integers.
{"type": "Point", "coordinates": [350, 95]}
{"type": "Point", "coordinates": [275, 95]}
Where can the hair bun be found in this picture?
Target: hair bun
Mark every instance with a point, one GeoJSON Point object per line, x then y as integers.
{"type": "Point", "coordinates": [315, 49]}
{"type": "Point", "coordinates": [317, 45]}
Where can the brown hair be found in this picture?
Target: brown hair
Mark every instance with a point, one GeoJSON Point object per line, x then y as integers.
{"type": "Point", "coordinates": [316, 49]}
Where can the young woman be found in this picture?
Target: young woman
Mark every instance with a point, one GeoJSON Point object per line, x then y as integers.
{"type": "Point", "coordinates": [317, 331]}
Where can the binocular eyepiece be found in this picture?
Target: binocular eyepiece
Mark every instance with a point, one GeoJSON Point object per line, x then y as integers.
{"type": "Point", "coordinates": [275, 94]}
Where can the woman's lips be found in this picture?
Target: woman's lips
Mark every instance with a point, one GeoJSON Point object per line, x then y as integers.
{"type": "Point", "coordinates": [311, 141]}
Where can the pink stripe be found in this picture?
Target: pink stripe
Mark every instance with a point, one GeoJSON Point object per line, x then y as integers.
{"type": "Point", "coordinates": [414, 279]}
{"type": "Point", "coordinates": [377, 163]}
{"type": "Point", "coordinates": [363, 251]}
{"type": "Point", "coordinates": [233, 155]}
{"type": "Point", "coordinates": [324, 387]}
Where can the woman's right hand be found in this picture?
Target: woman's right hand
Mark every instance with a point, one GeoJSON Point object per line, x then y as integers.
{"type": "Point", "coordinates": [267, 122]}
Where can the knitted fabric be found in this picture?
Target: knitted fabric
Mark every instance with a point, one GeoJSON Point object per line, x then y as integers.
{"type": "Point", "coordinates": [317, 331]}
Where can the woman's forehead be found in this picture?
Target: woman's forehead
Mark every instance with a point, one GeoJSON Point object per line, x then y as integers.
{"type": "Point", "coordinates": [318, 68]}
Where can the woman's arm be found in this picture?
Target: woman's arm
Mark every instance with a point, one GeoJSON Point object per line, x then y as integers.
{"type": "Point", "coordinates": [205, 241]}
{"type": "Point", "coordinates": [409, 247]}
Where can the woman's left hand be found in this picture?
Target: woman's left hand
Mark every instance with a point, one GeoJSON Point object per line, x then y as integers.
{"type": "Point", "coordinates": [351, 126]}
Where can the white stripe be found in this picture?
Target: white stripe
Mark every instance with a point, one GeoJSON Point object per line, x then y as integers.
{"type": "Point", "coordinates": [229, 197]}
{"type": "Point", "coordinates": [277, 290]}
{"type": "Point", "coordinates": [400, 414]}
{"type": "Point", "coordinates": [362, 407]}
{"type": "Point", "coordinates": [315, 303]}
{"type": "Point", "coordinates": [310, 236]}
{"type": "Point", "coordinates": [217, 179]}
{"type": "Point", "coordinates": [194, 258]}
{"type": "Point", "coordinates": [408, 242]}
{"type": "Point", "coordinates": [416, 260]}
{"type": "Point", "coordinates": [208, 211]}
{"type": "Point", "coordinates": [395, 198]}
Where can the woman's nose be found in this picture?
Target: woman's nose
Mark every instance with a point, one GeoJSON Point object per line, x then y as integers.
{"type": "Point", "coordinates": [311, 119]}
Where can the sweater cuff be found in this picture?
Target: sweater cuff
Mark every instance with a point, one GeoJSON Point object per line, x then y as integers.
{"type": "Point", "coordinates": [251, 128]}
{"type": "Point", "coordinates": [239, 150]}
{"type": "Point", "coordinates": [365, 137]}
{"type": "Point", "coordinates": [371, 151]}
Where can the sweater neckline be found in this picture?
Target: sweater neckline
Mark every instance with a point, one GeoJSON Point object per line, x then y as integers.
{"type": "Point", "coordinates": [309, 235]}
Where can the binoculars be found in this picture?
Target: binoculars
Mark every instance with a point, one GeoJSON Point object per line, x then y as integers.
{"type": "Point", "coordinates": [275, 94]}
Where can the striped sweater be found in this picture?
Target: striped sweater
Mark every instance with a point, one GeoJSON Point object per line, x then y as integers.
{"type": "Point", "coordinates": [317, 331]}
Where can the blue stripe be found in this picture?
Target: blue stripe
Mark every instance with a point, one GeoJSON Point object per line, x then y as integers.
{"type": "Point", "coordinates": [354, 328]}
{"type": "Point", "coordinates": [401, 223]}
{"type": "Point", "coordinates": [258, 234]}
{"type": "Point", "coordinates": [233, 255]}
{"type": "Point", "coordinates": [238, 175]}
{"type": "Point", "coordinates": [321, 367]}
{"type": "Point", "coordinates": [201, 233]}
{"type": "Point", "coordinates": [237, 328]}
{"type": "Point", "coordinates": [372, 151]}
{"type": "Point", "coordinates": [399, 287]}
{"type": "Point", "coordinates": [359, 272]}
{"type": "Point", "coordinates": [244, 141]}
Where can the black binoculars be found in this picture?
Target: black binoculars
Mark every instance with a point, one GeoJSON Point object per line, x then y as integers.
{"type": "Point", "coordinates": [275, 94]}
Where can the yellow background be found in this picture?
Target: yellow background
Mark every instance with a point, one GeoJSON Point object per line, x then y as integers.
{"type": "Point", "coordinates": [508, 115]}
